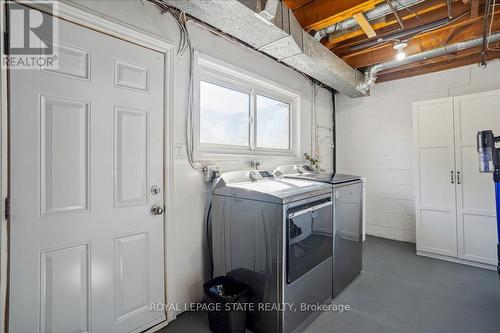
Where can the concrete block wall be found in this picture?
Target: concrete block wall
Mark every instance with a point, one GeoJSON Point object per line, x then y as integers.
{"type": "Point", "coordinates": [375, 140]}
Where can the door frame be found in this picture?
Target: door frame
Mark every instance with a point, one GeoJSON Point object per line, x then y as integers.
{"type": "Point", "coordinates": [89, 19]}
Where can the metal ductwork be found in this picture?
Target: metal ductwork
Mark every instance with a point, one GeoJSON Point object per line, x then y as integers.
{"type": "Point", "coordinates": [371, 72]}
{"type": "Point", "coordinates": [379, 11]}
{"type": "Point", "coordinates": [270, 27]}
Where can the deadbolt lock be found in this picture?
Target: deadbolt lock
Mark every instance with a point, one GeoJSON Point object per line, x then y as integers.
{"type": "Point", "coordinates": [155, 189]}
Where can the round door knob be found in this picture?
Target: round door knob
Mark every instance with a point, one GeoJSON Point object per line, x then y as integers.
{"type": "Point", "coordinates": [157, 210]}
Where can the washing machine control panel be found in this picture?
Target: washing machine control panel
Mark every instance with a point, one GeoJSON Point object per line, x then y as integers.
{"type": "Point", "coordinates": [266, 174]}
{"type": "Point", "coordinates": [255, 175]}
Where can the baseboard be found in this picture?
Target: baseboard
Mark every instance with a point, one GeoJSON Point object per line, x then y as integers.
{"type": "Point", "coordinates": [157, 327]}
{"type": "Point", "coordinates": [456, 260]}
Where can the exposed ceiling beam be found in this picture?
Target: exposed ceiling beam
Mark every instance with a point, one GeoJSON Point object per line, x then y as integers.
{"type": "Point", "coordinates": [450, 34]}
{"type": "Point", "coordinates": [424, 11]}
{"type": "Point", "coordinates": [322, 13]}
{"type": "Point", "coordinates": [474, 8]}
{"type": "Point", "coordinates": [364, 24]}
{"type": "Point", "coordinates": [444, 65]}
{"type": "Point", "coordinates": [458, 11]}
{"type": "Point", "coordinates": [296, 4]}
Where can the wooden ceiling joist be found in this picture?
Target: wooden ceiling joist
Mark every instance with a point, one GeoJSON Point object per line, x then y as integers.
{"type": "Point", "coordinates": [296, 4]}
{"type": "Point", "coordinates": [450, 34]}
{"type": "Point", "coordinates": [389, 23]}
{"type": "Point", "coordinates": [371, 42]}
{"type": "Point", "coordinates": [474, 8]}
{"type": "Point", "coordinates": [320, 14]}
{"type": "Point", "coordinates": [413, 22]}
{"type": "Point", "coordinates": [427, 12]}
{"type": "Point", "coordinates": [365, 25]}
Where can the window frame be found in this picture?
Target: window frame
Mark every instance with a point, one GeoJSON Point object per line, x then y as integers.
{"type": "Point", "coordinates": [225, 75]}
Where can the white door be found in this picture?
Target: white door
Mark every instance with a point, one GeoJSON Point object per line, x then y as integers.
{"type": "Point", "coordinates": [436, 208]}
{"type": "Point", "coordinates": [86, 148]}
{"type": "Point", "coordinates": [476, 218]}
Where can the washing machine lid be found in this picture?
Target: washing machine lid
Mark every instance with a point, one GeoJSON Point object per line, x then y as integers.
{"type": "Point", "coordinates": [280, 191]}
{"type": "Point", "coordinates": [325, 177]}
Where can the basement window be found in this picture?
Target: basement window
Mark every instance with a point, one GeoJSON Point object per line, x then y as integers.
{"type": "Point", "coordinates": [224, 115]}
{"type": "Point", "coordinates": [239, 114]}
{"type": "Point", "coordinates": [273, 123]}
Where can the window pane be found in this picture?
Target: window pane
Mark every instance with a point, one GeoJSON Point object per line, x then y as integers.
{"type": "Point", "coordinates": [273, 123]}
{"type": "Point", "coordinates": [224, 115]}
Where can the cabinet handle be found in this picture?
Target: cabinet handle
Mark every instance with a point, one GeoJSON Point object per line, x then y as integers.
{"type": "Point", "coordinates": [458, 177]}
{"type": "Point", "coordinates": [452, 178]}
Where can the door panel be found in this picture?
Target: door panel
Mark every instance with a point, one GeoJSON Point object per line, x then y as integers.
{"type": "Point", "coordinates": [86, 147]}
{"type": "Point", "coordinates": [436, 206]}
{"type": "Point", "coordinates": [72, 62]}
{"type": "Point", "coordinates": [131, 156]}
{"type": "Point", "coordinates": [131, 269]}
{"type": "Point", "coordinates": [65, 297]}
{"type": "Point", "coordinates": [475, 191]}
{"type": "Point", "coordinates": [64, 152]}
{"type": "Point", "coordinates": [437, 229]}
{"type": "Point", "coordinates": [479, 234]}
{"type": "Point", "coordinates": [436, 189]}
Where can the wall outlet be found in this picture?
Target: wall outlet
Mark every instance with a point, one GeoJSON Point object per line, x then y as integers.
{"type": "Point", "coordinates": [179, 150]}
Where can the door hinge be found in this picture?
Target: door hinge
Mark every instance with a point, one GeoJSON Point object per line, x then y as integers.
{"type": "Point", "coordinates": [6, 209]}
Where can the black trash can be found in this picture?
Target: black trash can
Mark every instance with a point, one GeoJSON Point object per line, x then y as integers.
{"type": "Point", "coordinates": [222, 293]}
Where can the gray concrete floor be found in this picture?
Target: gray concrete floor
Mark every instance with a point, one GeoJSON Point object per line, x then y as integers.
{"type": "Point", "coordinates": [401, 292]}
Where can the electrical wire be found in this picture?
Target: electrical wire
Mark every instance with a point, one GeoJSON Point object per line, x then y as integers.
{"type": "Point", "coordinates": [208, 230]}
{"type": "Point", "coordinates": [407, 8]}
{"type": "Point", "coordinates": [185, 45]}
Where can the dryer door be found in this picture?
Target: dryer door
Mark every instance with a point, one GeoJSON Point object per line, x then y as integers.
{"type": "Point", "coordinates": [309, 237]}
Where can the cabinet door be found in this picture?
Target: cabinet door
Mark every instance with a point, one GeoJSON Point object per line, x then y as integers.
{"type": "Point", "coordinates": [476, 219]}
{"type": "Point", "coordinates": [435, 185]}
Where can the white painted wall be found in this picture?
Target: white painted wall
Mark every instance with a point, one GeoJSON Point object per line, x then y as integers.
{"type": "Point", "coordinates": [190, 191]}
{"type": "Point", "coordinates": [375, 140]}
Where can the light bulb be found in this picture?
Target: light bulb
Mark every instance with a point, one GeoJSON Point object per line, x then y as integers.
{"type": "Point", "coordinates": [400, 56]}
{"type": "Point", "coordinates": [399, 47]}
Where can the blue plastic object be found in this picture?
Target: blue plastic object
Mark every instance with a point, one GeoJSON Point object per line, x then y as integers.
{"type": "Point", "coordinates": [497, 194]}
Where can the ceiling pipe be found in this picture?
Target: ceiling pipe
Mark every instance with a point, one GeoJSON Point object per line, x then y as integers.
{"type": "Point", "coordinates": [399, 34]}
{"type": "Point", "coordinates": [371, 72]}
{"type": "Point", "coordinates": [379, 11]}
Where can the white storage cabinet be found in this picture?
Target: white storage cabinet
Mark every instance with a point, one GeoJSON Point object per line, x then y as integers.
{"type": "Point", "coordinates": [455, 203]}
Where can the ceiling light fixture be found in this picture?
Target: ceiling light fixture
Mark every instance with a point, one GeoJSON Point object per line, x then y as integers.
{"type": "Point", "coordinates": [401, 53]}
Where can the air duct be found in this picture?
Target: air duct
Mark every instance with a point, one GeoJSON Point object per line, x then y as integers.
{"type": "Point", "coordinates": [371, 72]}
{"type": "Point", "coordinates": [275, 32]}
{"type": "Point", "coordinates": [379, 11]}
